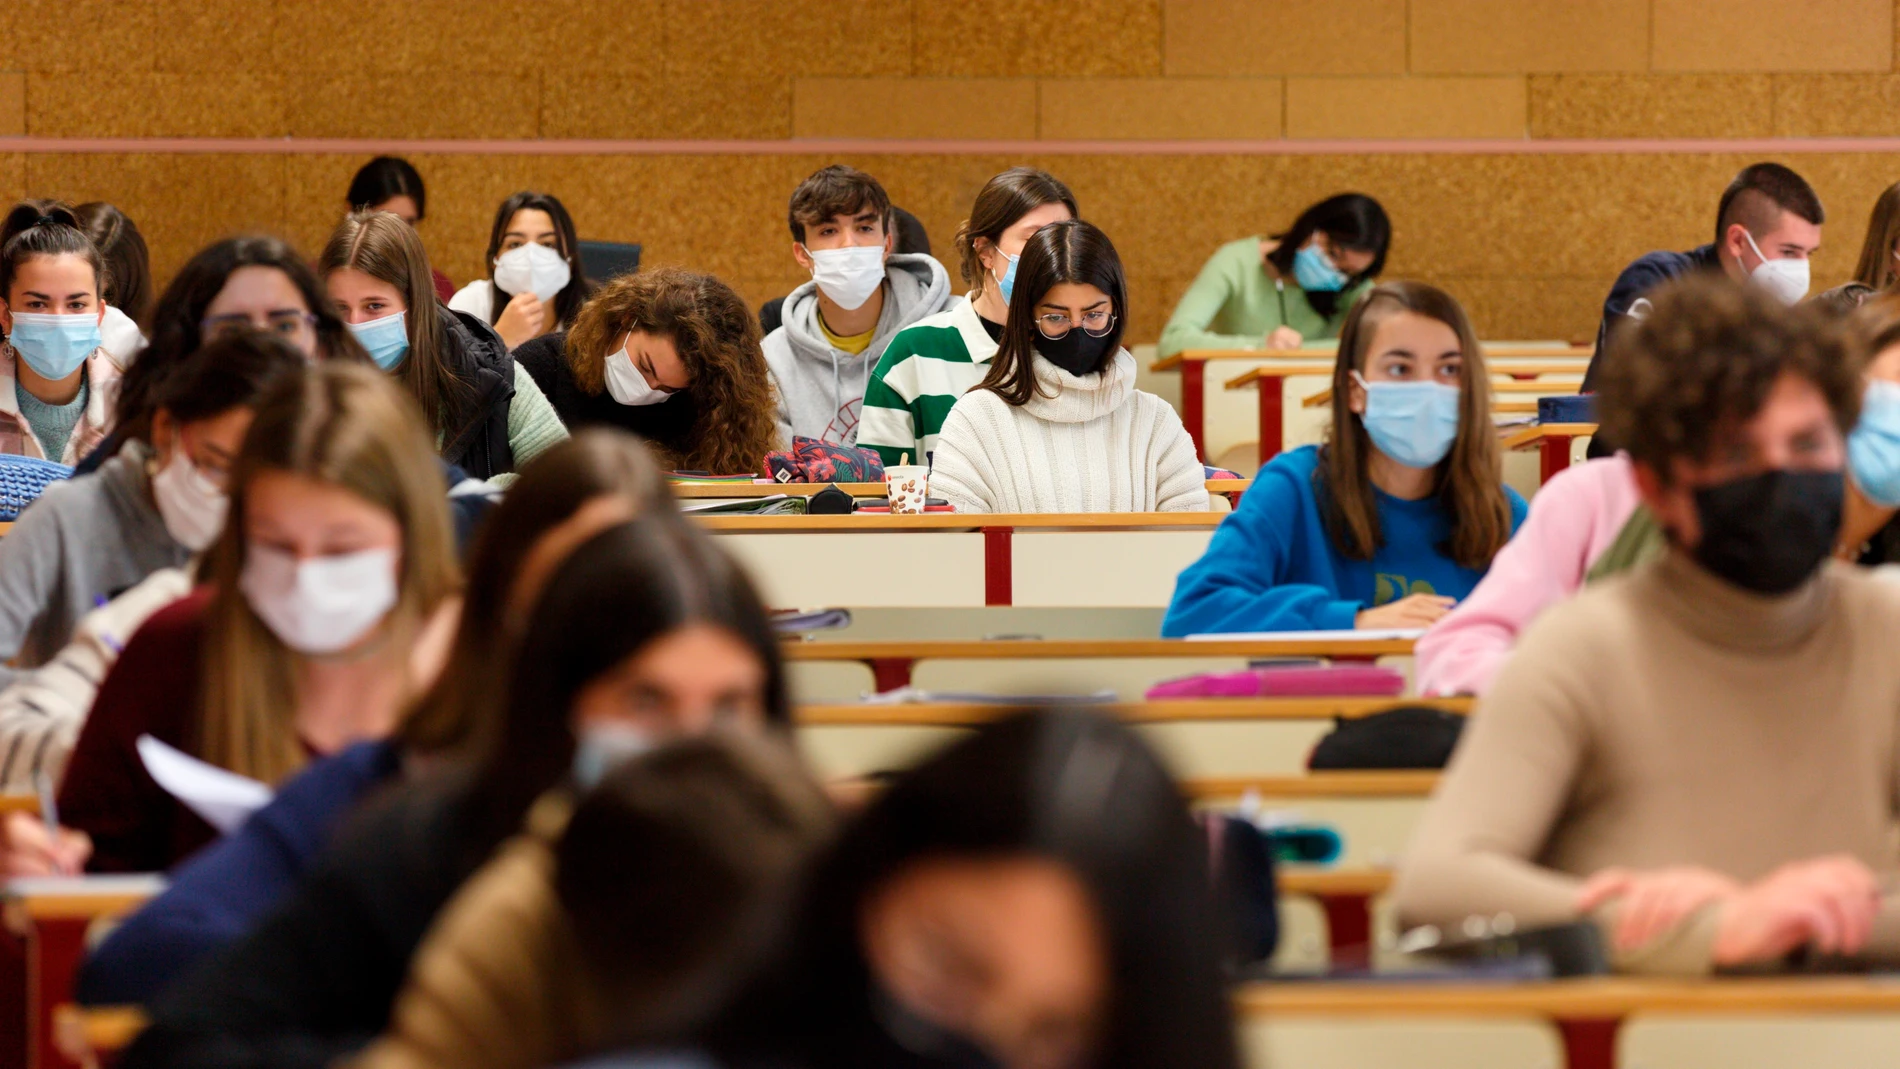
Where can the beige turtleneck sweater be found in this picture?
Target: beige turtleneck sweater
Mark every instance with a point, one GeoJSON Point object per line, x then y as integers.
{"type": "Point", "coordinates": [1668, 718]}
{"type": "Point", "coordinates": [1090, 443]}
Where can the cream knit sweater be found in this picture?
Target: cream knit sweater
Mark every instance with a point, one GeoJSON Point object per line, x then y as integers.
{"type": "Point", "coordinates": [1092, 443]}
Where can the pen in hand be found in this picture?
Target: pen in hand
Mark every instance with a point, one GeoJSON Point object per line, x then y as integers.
{"type": "Point", "coordinates": [49, 813]}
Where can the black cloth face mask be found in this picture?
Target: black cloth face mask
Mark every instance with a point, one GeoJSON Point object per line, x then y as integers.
{"type": "Point", "coordinates": [1771, 532]}
{"type": "Point", "coordinates": [1074, 352]}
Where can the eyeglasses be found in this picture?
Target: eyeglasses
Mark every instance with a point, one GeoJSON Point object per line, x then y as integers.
{"type": "Point", "coordinates": [1095, 324]}
{"type": "Point", "coordinates": [288, 325]}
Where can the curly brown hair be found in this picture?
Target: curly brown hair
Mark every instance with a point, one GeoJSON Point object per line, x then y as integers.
{"type": "Point", "coordinates": [718, 341]}
{"type": "Point", "coordinates": [1702, 362]}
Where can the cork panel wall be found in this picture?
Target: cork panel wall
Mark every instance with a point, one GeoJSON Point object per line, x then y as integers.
{"type": "Point", "coordinates": [1232, 37]}
{"type": "Point", "coordinates": [1161, 108]}
{"type": "Point", "coordinates": [1652, 105]}
{"type": "Point", "coordinates": [106, 103]}
{"type": "Point", "coordinates": [1406, 107]}
{"type": "Point", "coordinates": [12, 103]}
{"type": "Point", "coordinates": [1532, 256]}
{"type": "Point", "coordinates": [1513, 36]}
{"type": "Point", "coordinates": [1772, 35]}
{"type": "Point", "coordinates": [1012, 39]}
{"type": "Point", "coordinates": [914, 107]}
{"type": "Point", "coordinates": [1823, 105]}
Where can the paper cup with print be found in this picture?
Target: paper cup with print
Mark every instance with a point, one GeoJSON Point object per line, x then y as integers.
{"type": "Point", "coordinates": [908, 487]}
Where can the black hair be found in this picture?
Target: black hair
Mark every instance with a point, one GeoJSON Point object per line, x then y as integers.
{"type": "Point", "coordinates": [1073, 787]}
{"type": "Point", "coordinates": [1352, 220]}
{"type": "Point", "coordinates": [623, 588]}
{"type": "Point", "coordinates": [1067, 251]}
{"type": "Point", "coordinates": [386, 177]}
{"type": "Point", "coordinates": [567, 303]}
{"type": "Point", "coordinates": [911, 235]}
{"type": "Point", "coordinates": [128, 285]}
{"type": "Point", "coordinates": [45, 228]}
{"type": "Point", "coordinates": [1760, 193]}
{"type": "Point", "coordinates": [178, 320]}
{"type": "Point", "coordinates": [229, 372]}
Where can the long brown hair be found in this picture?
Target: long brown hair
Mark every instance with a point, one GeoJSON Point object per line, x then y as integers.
{"type": "Point", "coordinates": [1469, 482]}
{"type": "Point", "coordinates": [718, 340]}
{"type": "Point", "coordinates": [385, 248]}
{"type": "Point", "coordinates": [595, 463]}
{"type": "Point", "coordinates": [1878, 265]}
{"type": "Point", "coordinates": [351, 427]}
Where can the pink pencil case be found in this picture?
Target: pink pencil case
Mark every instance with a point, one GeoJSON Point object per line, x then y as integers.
{"type": "Point", "coordinates": [1330, 680]}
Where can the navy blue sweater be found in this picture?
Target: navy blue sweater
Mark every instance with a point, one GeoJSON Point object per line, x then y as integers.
{"type": "Point", "coordinates": [221, 893]}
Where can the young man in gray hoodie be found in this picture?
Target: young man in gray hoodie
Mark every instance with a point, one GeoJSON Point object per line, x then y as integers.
{"type": "Point", "coordinates": [836, 326]}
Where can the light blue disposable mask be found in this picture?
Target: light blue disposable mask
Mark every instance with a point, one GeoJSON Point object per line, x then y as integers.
{"type": "Point", "coordinates": [1007, 284]}
{"type": "Point", "coordinates": [1315, 272]}
{"type": "Point", "coordinates": [1873, 448]}
{"type": "Point", "coordinates": [1414, 423]}
{"type": "Point", "coordinates": [601, 749]}
{"type": "Point", "coordinates": [386, 339]}
{"type": "Point", "coordinates": [54, 346]}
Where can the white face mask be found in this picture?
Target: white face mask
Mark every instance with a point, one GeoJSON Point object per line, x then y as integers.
{"type": "Point", "coordinates": [192, 506]}
{"type": "Point", "coordinates": [627, 385]}
{"type": "Point", "coordinates": [602, 748]}
{"type": "Point", "coordinates": [849, 275]}
{"type": "Point", "coordinates": [1786, 279]}
{"type": "Point", "coordinates": [532, 268]}
{"type": "Point", "coordinates": [323, 604]}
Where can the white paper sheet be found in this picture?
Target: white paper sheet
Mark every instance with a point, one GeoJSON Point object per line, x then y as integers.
{"type": "Point", "coordinates": [1370, 635]}
{"type": "Point", "coordinates": [224, 799]}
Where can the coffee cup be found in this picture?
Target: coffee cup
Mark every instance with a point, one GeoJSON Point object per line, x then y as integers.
{"type": "Point", "coordinates": [908, 487]}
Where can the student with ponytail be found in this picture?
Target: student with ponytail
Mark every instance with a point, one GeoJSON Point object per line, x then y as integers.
{"type": "Point", "coordinates": [488, 415]}
{"type": "Point", "coordinates": [56, 402]}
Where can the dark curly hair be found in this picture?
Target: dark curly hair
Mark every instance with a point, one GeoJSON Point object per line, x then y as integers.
{"type": "Point", "coordinates": [718, 341]}
{"type": "Point", "coordinates": [1703, 361]}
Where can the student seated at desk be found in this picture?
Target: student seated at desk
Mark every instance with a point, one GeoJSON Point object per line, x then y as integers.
{"type": "Point", "coordinates": [57, 381]}
{"type": "Point", "coordinates": [1283, 291]}
{"type": "Point", "coordinates": [310, 634]}
{"type": "Point", "coordinates": [644, 633]}
{"type": "Point", "coordinates": [1699, 755]}
{"type": "Point", "coordinates": [487, 414]}
{"type": "Point", "coordinates": [672, 356]}
{"type": "Point", "coordinates": [1391, 520]}
{"type": "Point", "coordinates": [1057, 425]}
{"type": "Point", "coordinates": [838, 325]}
{"type": "Point", "coordinates": [392, 184]}
{"type": "Point", "coordinates": [535, 281]}
{"type": "Point", "coordinates": [128, 287]}
{"type": "Point", "coordinates": [574, 491]}
{"type": "Point", "coordinates": [156, 505]}
{"type": "Point", "coordinates": [929, 365]}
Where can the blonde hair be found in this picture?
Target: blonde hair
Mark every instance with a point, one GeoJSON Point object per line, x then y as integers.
{"type": "Point", "coordinates": [351, 427]}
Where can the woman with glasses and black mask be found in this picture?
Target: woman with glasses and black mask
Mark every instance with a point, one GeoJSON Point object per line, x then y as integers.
{"type": "Point", "coordinates": [1057, 425]}
{"type": "Point", "coordinates": [1283, 291]}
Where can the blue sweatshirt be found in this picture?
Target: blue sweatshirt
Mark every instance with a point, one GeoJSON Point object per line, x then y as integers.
{"type": "Point", "coordinates": [218, 895]}
{"type": "Point", "coordinates": [1271, 566]}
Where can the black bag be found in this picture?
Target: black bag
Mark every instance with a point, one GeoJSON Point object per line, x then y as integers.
{"type": "Point", "coordinates": [1411, 736]}
{"type": "Point", "coordinates": [831, 501]}
{"type": "Point", "coordinates": [1241, 857]}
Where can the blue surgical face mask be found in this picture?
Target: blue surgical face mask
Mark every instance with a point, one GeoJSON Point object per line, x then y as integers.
{"type": "Point", "coordinates": [1007, 284]}
{"type": "Point", "coordinates": [1414, 423]}
{"type": "Point", "coordinates": [54, 346]}
{"type": "Point", "coordinates": [600, 749]}
{"type": "Point", "coordinates": [1873, 448]}
{"type": "Point", "coordinates": [386, 339]}
{"type": "Point", "coordinates": [1315, 272]}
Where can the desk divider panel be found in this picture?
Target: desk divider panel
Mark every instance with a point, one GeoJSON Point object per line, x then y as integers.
{"type": "Point", "coordinates": [1107, 568]}
{"type": "Point", "coordinates": [804, 570]}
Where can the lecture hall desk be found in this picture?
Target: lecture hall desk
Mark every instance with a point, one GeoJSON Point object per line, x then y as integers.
{"type": "Point", "coordinates": [1588, 1012]}
{"type": "Point", "coordinates": [1527, 359]}
{"type": "Point", "coordinates": [47, 934]}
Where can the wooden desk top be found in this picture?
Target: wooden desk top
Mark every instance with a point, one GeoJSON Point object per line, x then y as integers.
{"type": "Point", "coordinates": [1400, 784]}
{"type": "Point", "coordinates": [1541, 389]}
{"type": "Point", "coordinates": [1308, 880]}
{"type": "Point", "coordinates": [968, 521]}
{"type": "Point", "coordinates": [720, 491]}
{"type": "Point", "coordinates": [819, 648]}
{"type": "Point", "coordinates": [948, 714]}
{"type": "Point", "coordinates": [84, 1033]}
{"type": "Point", "coordinates": [1525, 437]}
{"type": "Point", "coordinates": [77, 898]}
{"type": "Point", "coordinates": [1585, 997]}
{"type": "Point", "coordinates": [1248, 379]}
{"type": "Point", "coordinates": [1553, 350]}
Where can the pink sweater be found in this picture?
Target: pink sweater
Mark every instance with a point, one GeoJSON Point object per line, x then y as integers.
{"type": "Point", "coordinates": [1573, 519]}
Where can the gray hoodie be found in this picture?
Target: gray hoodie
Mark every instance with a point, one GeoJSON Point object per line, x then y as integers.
{"type": "Point", "coordinates": [821, 388]}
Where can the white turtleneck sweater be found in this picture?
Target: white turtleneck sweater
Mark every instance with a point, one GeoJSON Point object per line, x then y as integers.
{"type": "Point", "coordinates": [1090, 443]}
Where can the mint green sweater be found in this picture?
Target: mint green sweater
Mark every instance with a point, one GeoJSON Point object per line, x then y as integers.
{"type": "Point", "coordinates": [1234, 304]}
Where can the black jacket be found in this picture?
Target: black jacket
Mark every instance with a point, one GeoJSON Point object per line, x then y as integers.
{"type": "Point", "coordinates": [475, 435]}
{"type": "Point", "coordinates": [668, 425]}
{"type": "Point", "coordinates": [317, 979]}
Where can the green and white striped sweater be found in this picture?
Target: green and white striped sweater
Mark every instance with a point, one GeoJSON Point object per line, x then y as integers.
{"type": "Point", "coordinates": [925, 370]}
